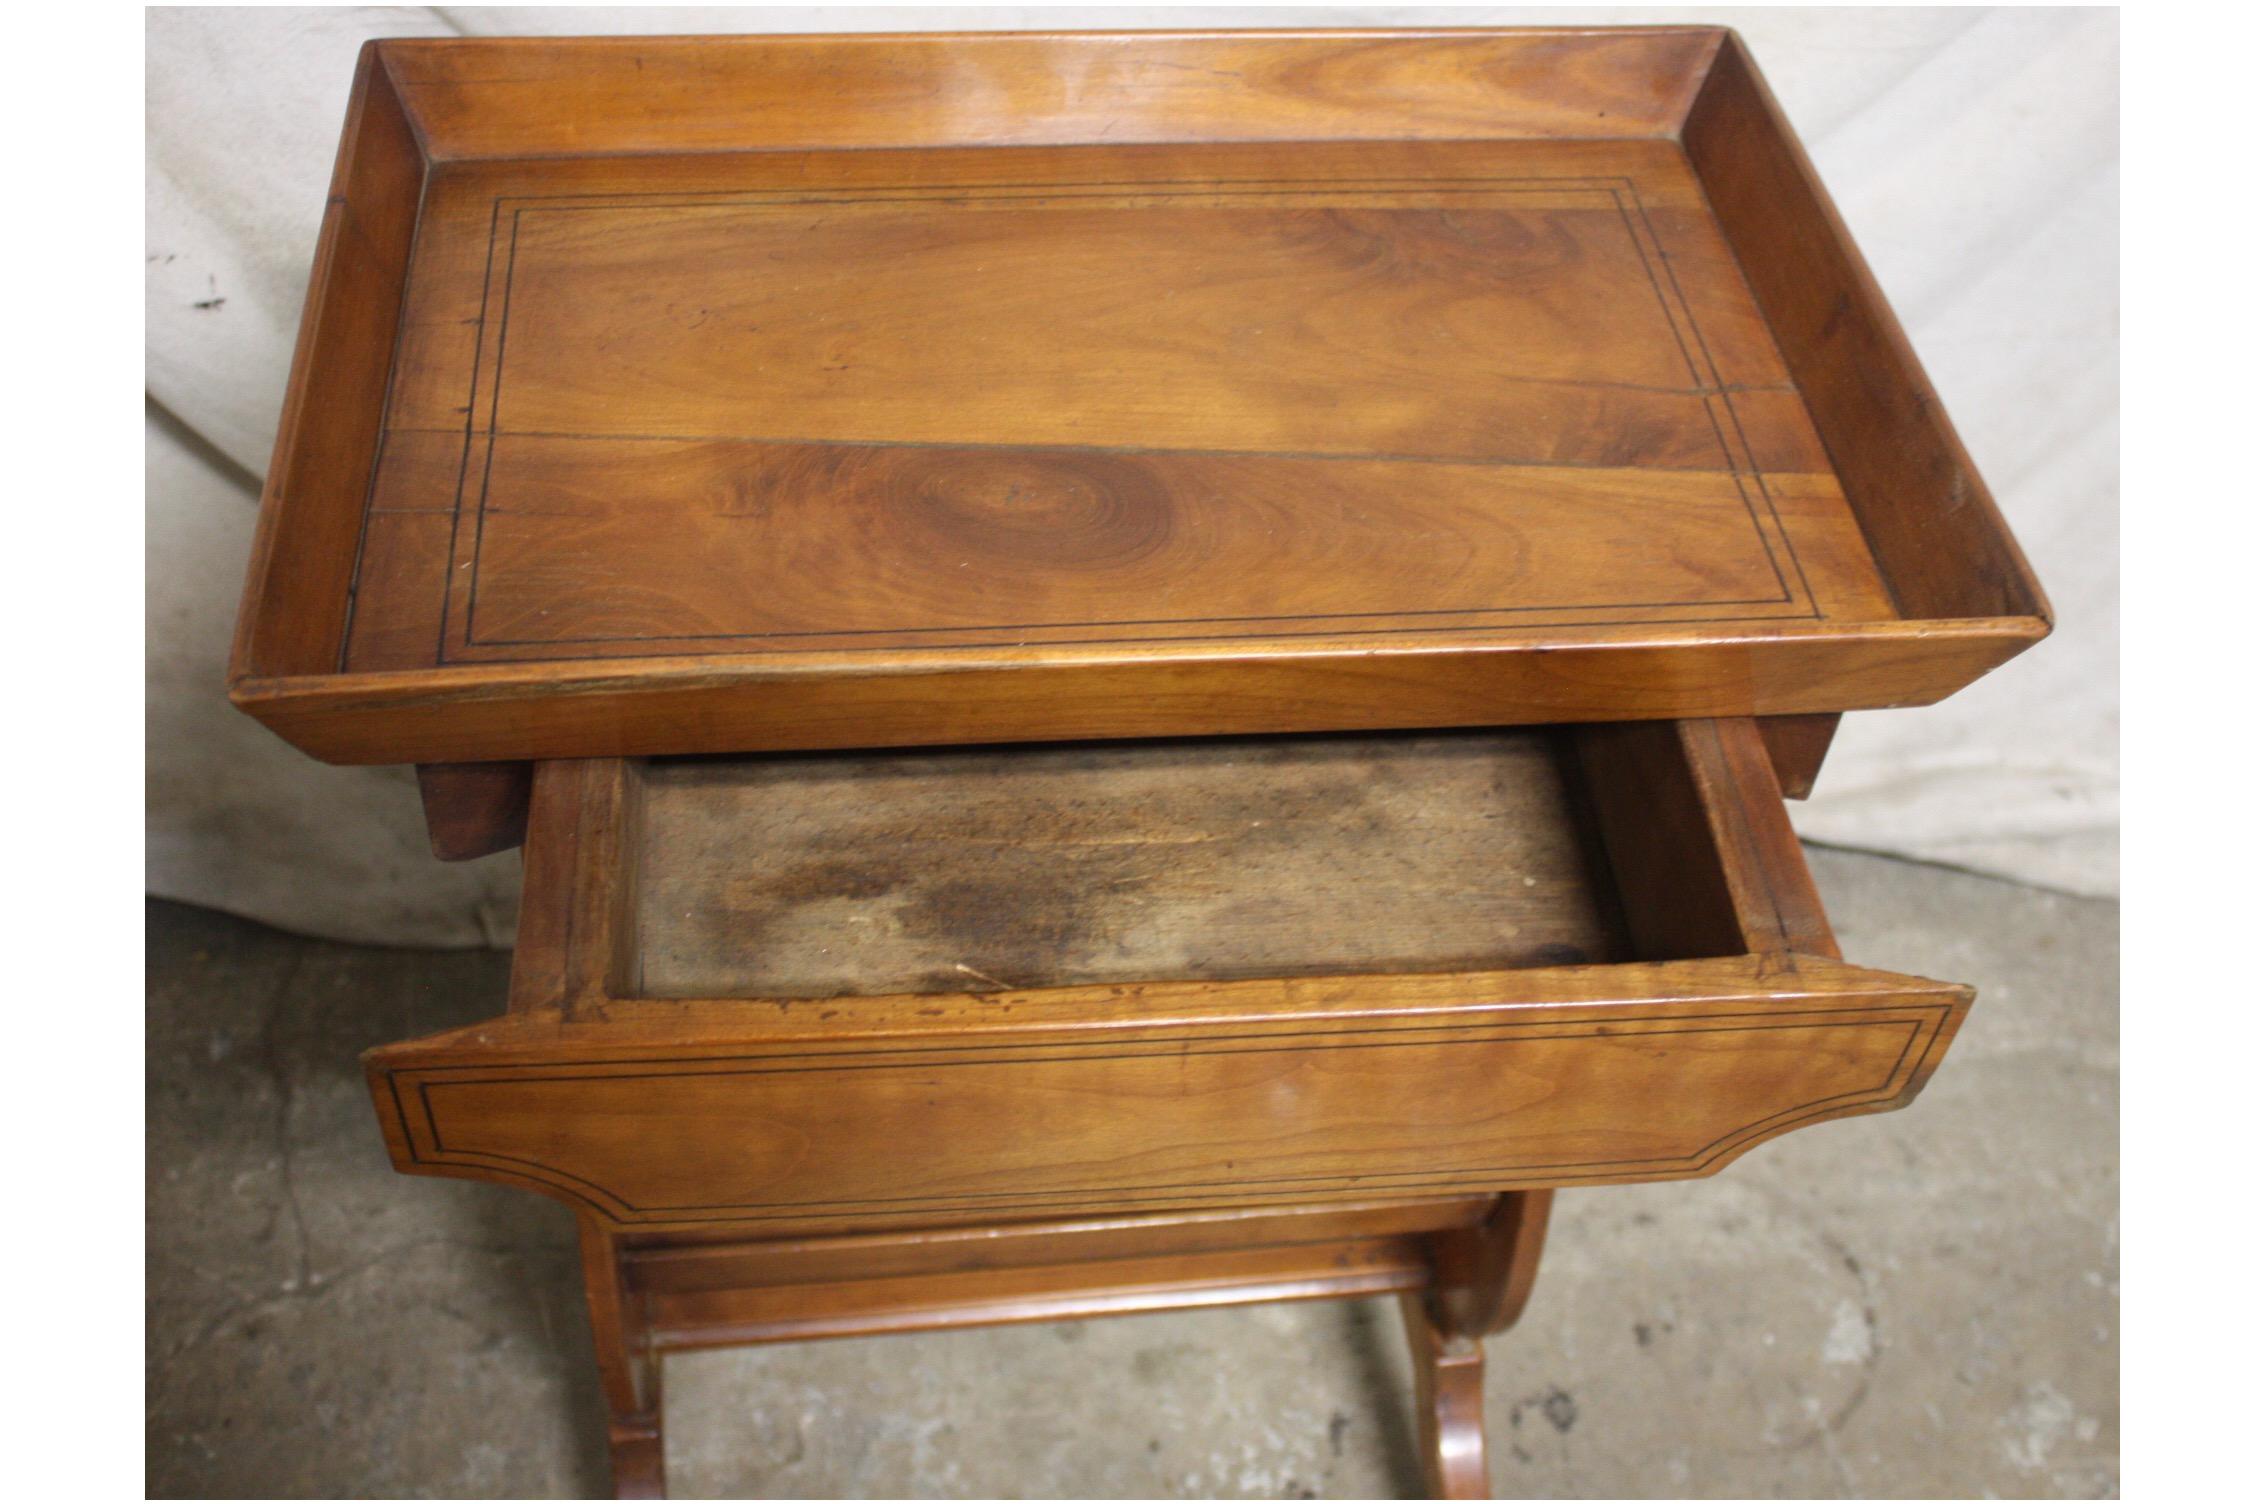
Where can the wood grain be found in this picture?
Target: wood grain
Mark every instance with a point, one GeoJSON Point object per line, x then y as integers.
{"type": "Point", "coordinates": [475, 809]}
{"type": "Point", "coordinates": [1482, 1277]}
{"type": "Point", "coordinates": [684, 1260]}
{"type": "Point", "coordinates": [297, 597]}
{"type": "Point", "coordinates": [988, 870]}
{"type": "Point", "coordinates": [1703, 857]}
{"type": "Point", "coordinates": [845, 1307]}
{"type": "Point", "coordinates": [1122, 385]}
{"type": "Point", "coordinates": [1484, 1272]}
{"type": "Point", "coordinates": [1636, 1088]}
{"type": "Point", "coordinates": [499, 712]}
{"type": "Point", "coordinates": [626, 1361]}
{"type": "Point", "coordinates": [1447, 1371]}
{"type": "Point", "coordinates": [1797, 745]}
{"type": "Point", "coordinates": [1943, 543]}
{"type": "Point", "coordinates": [1480, 400]}
{"type": "Point", "coordinates": [1205, 316]}
{"type": "Point", "coordinates": [568, 97]}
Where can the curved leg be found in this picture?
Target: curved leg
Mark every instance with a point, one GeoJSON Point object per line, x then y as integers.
{"type": "Point", "coordinates": [1482, 1278]}
{"type": "Point", "coordinates": [628, 1368]}
{"type": "Point", "coordinates": [638, 1458]}
{"type": "Point", "coordinates": [1447, 1371]}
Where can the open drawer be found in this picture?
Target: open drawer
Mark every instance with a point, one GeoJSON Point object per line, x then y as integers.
{"type": "Point", "coordinates": [809, 993]}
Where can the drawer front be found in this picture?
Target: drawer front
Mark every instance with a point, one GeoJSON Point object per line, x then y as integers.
{"type": "Point", "coordinates": [1475, 1097]}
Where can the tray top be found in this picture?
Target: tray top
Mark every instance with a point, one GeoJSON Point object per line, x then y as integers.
{"type": "Point", "coordinates": [742, 424]}
{"type": "Point", "coordinates": [1128, 405]}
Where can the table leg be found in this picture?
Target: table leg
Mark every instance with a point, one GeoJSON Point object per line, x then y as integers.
{"type": "Point", "coordinates": [1482, 1277]}
{"type": "Point", "coordinates": [628, 1368]}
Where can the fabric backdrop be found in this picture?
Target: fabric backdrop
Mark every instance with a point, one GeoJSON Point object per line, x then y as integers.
{"type": "Point", "coordinates": [1973, 153]}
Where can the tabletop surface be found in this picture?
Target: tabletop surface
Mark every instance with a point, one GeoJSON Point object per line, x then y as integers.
{"type": "Point", "coordinates": [994, 398]}
{"type": "Point", "coordinates": [708, 395]}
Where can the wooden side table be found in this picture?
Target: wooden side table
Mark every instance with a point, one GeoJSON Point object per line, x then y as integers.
{"type": "Point", "coordinates": [677, 420]}
{"type": "Point", "coordinates": [851, 1044]}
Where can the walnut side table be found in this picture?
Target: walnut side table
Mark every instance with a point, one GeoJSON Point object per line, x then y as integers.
{"type": "Point", "coordinates": [1135, 670]}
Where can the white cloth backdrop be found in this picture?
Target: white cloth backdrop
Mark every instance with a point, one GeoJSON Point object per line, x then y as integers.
{"type": "Point", "coordinates": [1973, 153]}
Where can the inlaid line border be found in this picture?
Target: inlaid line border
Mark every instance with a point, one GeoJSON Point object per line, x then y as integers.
{"type": "Point", "coordinates": [1926, 1026]}
{"type": "Point", "coordinates": [1707, 385]}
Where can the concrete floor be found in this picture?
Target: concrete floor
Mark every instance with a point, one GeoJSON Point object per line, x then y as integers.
{"type": "Point", "coordinates": [1917, 1304]}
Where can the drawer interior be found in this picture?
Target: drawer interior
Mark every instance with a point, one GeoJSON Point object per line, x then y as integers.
{"type": "Point", "coordinates": [989, 870]}
{"type": "Point", "coordinates": [985, 870]}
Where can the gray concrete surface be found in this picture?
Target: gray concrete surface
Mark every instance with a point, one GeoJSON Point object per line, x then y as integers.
{"type": "Point", "coordinates": [1917, 1304]}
